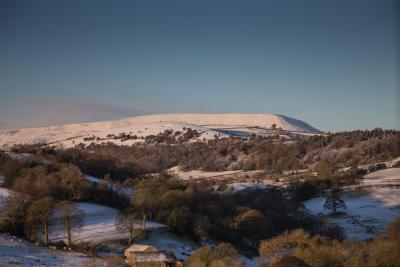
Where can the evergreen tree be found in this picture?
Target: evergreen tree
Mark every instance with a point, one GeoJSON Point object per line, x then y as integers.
{"type": "Point", "coordinates": [334, 202]}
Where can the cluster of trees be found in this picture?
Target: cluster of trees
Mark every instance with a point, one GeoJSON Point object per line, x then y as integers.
{"type": "Point", "coordinates": [257, 153]}
{"type": "Point", "coordinates": [355, 147]}
{"type": "Point", "coordinates": [243, 218]}
{"type": "Point", "coordinates": [23, 215]}
{"type": "Point", "coordinates": [39, 178]}
{"type": "Point", "coordinates": [45, 193]}
{"type": "Point", "coordinates": [48, 187]}
{"type": "Point", "coordinates": [222, 255]}
{"type": "Point", "coordinates": [173, 137]}
{"type": "Point", "coordinates": [300, 249]}
{"type": "Point", "coordinates": [195, 209]}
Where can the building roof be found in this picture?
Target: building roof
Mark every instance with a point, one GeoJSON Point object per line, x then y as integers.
{"type": "Point", "coordinates": [157, 256]}
{"type": "Point", "coordinates": [140, 248]}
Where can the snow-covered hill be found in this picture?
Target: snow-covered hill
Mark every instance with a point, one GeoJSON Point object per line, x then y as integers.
{"type": "Point", "coordinates": [208, 125]}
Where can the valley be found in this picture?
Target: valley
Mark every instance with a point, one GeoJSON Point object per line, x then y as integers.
{"type": "Point", "coordinates": [186, 189]}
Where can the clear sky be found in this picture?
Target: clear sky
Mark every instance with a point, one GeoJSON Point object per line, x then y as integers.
{"type": "Point", "coordinates": [333, 64]}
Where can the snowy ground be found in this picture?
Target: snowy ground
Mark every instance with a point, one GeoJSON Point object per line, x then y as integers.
{"type": "Point", "coordinates": [18, 156]}
{"type": "Point", "coordinates": [368, 210]}
{"type": "Point", "coordinates": [4, 194]}
{"type": "Point", "coordinates": [208, 125]}
{"type": "Point", "coordinates": [388, 163]}
{"type": "Point", "coordinates": [18, 252]}
{"type": "Point", "coordinates": [162, 239]}
{"type": "Point", "coordinates": [98, 225]}
{"type": "Point", "coordinates": [196, 174]}
{"type": "Point", "coordinates": [236, 180]}
{"type": "Point", "coordinates": [125, 191]}
{"type": "Point", "coordinates": [236, 187]}
{"type": "Point", "coordinates": [250, 262]}
{"type": "Point", "coordinates": [382, 177]}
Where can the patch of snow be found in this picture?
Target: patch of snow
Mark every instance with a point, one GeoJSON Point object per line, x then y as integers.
{"type": "Point", "coordinates": [298, 171]}
{"type": "Point", "coordinates": [388, 163]}
{"type": "Point", "coordinates": [4, 194]}
{"type": "Point", "coordinates": [18, 156]}
{"type": "Point", "coordinates": [15, 251]}
{"type": "Point", "coordinates": [250, 262]}
{"type": "Point", "coordinates": [236, 187]}
{"type": "Point", "coordinates": [125, 191]}
{"type": "Point", "coordinates": [196, 174]}
{"type": "Point", "coordinates": [162, 239]}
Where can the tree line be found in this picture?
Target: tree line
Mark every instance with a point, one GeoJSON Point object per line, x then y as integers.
{"type": "Point", "coordinates": [243, 218]}
{"type": "Point", "coordinates": [256, 153]}
{"type": "Point", "coordinates": [298, 248]}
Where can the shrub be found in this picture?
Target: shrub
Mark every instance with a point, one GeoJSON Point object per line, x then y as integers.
{"type": "Point", "coordinates": [223, 255]}
{"type": "Point", "coordinates": [298, 247]}
{"type": "Point", "coordinates": [393, 230]}
{"type": "Point", "coordinates": [290, 261]}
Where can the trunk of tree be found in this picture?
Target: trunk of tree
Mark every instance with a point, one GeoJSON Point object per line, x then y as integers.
{"type": "Point", "coordinates": [69, 236]}
{"type": "Point", "coordinates": [144, 222]}
{"type": "Point", "coordinates": [46, 233]}
{"type": "Point", "coordinates": [130, 236]}
{"type": "Point", "coordinates": [73, 194]}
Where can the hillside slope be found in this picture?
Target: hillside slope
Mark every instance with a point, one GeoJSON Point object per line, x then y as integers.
{"type": "Point", "coordinates": [206, 124]}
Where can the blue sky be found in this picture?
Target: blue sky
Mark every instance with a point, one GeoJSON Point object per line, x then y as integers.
{"type": "Point", "coordinates": [333, 64]}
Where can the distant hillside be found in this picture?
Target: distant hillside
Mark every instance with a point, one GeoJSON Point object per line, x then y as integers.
{"type": "Point", "coordinates": [207, 125]}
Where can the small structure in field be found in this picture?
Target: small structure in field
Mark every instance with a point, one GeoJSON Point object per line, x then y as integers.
{"type": "Point", "coordinates": [148, 256]}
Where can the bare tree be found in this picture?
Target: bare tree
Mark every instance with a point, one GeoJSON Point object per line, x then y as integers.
{"type": "Point", "coordinates": [127, 222]}
{"type": "Point", "coordinates": [141, 199]}
{"type": "Point", "coordinates": [39, 215]}
{"type": "Point", "coordinates": [70, 216]}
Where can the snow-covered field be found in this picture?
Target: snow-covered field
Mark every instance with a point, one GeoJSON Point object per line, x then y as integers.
{"type": "Point", "coordinates": [367, 211]}
{"type": "Point", "coordinates": [18, 252]}
{"type": "Point", "coordinates": [387, 163]}
{"type": "Point", "coordinates": [208, 125]}
{"type": "Point", "coordinates": [162, 239]}
{"type": "Point", "coordinates": [196, 174]}
{"type": "Point", "coordinates": [236, 187]}
{"type": "Point", "coordinates": [382, 177]}
{"type": "Point", "coordinates": [98, 225]}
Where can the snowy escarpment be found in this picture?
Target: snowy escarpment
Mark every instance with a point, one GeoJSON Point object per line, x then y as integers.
{"type": "Point", "coordinates": [207, 125]}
